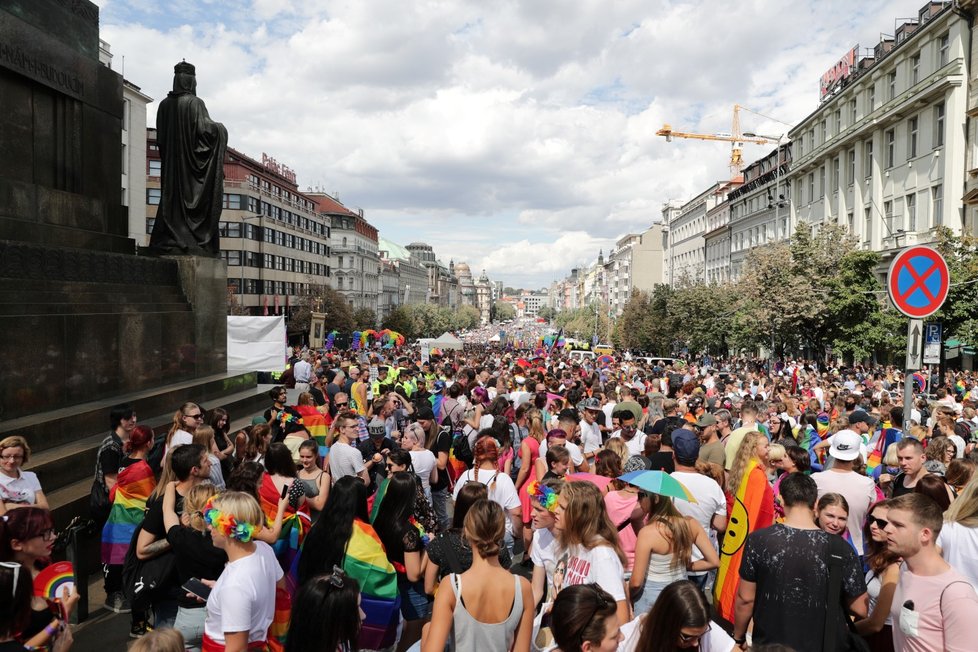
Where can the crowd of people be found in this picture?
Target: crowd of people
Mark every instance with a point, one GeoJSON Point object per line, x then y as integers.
{"type": "Point", "coordinates": [488, 500]}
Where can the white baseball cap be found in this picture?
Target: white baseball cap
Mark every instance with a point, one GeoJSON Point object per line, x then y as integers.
{"type": "Point", "coordinates": [846, 445]}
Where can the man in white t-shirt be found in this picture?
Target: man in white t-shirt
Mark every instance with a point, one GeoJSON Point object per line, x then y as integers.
{"type": "Point", "coordinates": [710, 508]}
{"type": "Point", "coordinates": [501, 491]}
{"type": "Point", "coordinates": [634, 440]}
{"type": "Point", "coordinates": [590, 430]}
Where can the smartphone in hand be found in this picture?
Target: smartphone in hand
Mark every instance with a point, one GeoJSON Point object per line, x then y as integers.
{"type": "Point", "coordinates": [285, 491]}
{"type": "Point", "coordinates": [195, 587]}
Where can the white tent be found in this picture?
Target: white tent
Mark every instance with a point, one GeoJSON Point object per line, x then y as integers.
{"type": "Point", "coordinates": [446, 341]}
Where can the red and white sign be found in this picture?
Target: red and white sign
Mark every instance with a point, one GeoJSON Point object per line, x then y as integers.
{"type": "Point", "coordinates": [918, 281]}
{"type": "Point", "coordinates": [840, 71]}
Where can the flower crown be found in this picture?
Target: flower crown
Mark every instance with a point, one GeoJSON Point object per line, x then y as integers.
{"type": "Point", "coordinates": [543, 494]}
{"type": "Point", "coordinates": [227, 524]}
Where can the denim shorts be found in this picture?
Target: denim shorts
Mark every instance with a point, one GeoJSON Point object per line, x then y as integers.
{"type": "Point", "coordinates": [415, 603]}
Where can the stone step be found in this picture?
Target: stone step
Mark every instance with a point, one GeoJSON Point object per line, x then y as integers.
{"type": "Point", "coordinates": [72, 308]}
{"type": "Point", "coordinates": [122, 294]}
{"type": "Point", "coordinates": [54, 428]}
{"type": "Point", "coordinates": [63, 465]}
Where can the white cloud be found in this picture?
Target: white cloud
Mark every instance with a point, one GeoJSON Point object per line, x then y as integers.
{"type": "Point", "coordinates": [470, 124]}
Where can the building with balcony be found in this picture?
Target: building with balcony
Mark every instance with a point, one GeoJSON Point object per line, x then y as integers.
{"type": "Point", "coordinates": [443, 287]}
{"type": "Point", "coordinates": [885, 154]}
{"type": "Point", "coordinates": [687, 234]}
{"type": "Point", "coordinates": [354, 248]}
{"type": "Point", "coordinates": [636, 262]}
{"type": "Point", "coordinates": [274, 242]}
{"type": "Point", "coordinates": [410, 274]}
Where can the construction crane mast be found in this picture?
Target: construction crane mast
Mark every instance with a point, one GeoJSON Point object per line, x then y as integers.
{"type": "Point", "coordinates": [735, 138]}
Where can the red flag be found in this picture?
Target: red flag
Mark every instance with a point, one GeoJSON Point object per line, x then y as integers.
{"type": "Point", "coordinates": [266, 305]}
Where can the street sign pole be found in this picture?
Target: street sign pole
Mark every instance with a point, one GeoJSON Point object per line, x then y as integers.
{"type": "Point", "coordinates": [914, 356]}
{"type": "Point", "coordinates": [917, 284]}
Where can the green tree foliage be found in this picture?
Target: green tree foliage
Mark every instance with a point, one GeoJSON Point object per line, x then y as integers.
{"type": "Point", "coordinates": [428, 320]}
{"type": "Point", "coordinates": [323, 298]}
{"type": "Point", "coordinates": [580, 323]}
{"type": "Point", "coordinates": [399, 321]}
{"type": "Point", "coordinates": [960, 312]}
{"type": "Point", "coordinates": [364, 318]}
{"type": "Point", "coordinates": [465, 317]}
{"type": "Point", "coordinates": [503, 311]}
{"type": "Point", "coordinates": [644, 324]}
{"type": "Point", "coordinates": [547, 313]}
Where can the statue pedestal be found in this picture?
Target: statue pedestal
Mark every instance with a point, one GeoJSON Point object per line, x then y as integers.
{"type": "Point", "coordinates": [205, 284]}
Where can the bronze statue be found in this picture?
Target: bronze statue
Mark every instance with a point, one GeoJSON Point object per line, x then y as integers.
{"type": "Point", "coordinates": [192, 149]}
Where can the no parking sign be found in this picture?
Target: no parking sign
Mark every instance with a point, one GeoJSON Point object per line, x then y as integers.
{"type": "Point", "coordinates": [918, 281]}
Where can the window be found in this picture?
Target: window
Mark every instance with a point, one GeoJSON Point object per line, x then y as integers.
{"type": "Point", "coordinates": [269, 261]}
{"type": "Point", "coordinates": [125, 160]}
{"type": "Point", "coordinates": [822, 190]}
{"type": "Point", "coordinates": [153, 196]}
{"type": "Point", "coordinates": [253, 205]}
{"type": "Point", "coordinates": [231, 257]}
{"type": "Point", "coordinates": [911, 202]}
{"type": "Point", "coordinates": [838, 121]}
{"type": "Point", "coordinates": [914, 69]}
{"type": "Point", "coordinates": [155, 167]}
{"type": "Point", "coordinates": [912, 138]}
{"type": "Point", "coordinates": [852, 166]}
{"type": "Point", "coordinates": [888, 216]}
{"type": "Point", "coordinates": [868, 159]}
{"type": "Point", "coordinates": [230, 229]}
{"type": "Point", "coordinates": [868, 228]}
{"type": "Point", "coordinates": [811, 187]}
{"type": "Point", "coordinates": [232, 202]}
{"type": "Point", "coordinates": [852, 111]}
{"type": "Point", "coordinates": [850, 222]}
{"type": "Point", "coordinates": [939, 124]}
{"type": "Point", "coordinates": [891, 86]}
{"type": "Point", "coordinates": [825, 131]}
{"type": "Point", "coordinates": [800, 145]}
{"type": "Point", "coordinates": [890, 137]}
{"type": "Point", "coordinates": [943, 48]}
{"type": "Point", "coordinates": [149, 225]}
{"type": "Point", "coordinates": [871, 98]}
{"type": "Point", "coordinates": [835, 174]}
{"type": "Point", "coordinates": [937, 205]}
{"type": "Point", "coordinates": [811, 138]}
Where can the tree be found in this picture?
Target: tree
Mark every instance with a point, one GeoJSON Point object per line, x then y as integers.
{"type": "Point", "coordinates": [364, 318]}
{"type": "Point", "coordinates": [503, 311]}
{"type": "Point", "coordinates": [428, 320]}
{"type": "Point", "coordinates": [959, 313]}
{"type": "Point", "coordinates": [701, 316]}
{"type": "Point", "coordinates": [642, 324]}
{"type": "Point", "coordinates": [399, 321]}
{"type": "Point", "coordinates": [323, 298]}
{"type": "Point", "coordinates": [546, 312]}
{"type": "Point", "coordinates": [465, 318]}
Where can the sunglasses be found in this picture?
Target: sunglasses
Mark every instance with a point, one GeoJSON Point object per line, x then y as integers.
{"type": "Point", "coordinates": [688, 638]}
{"type": "Point", "coordinates": [339, 405]}
{"type": "Point", "coordinates": [880, 523]}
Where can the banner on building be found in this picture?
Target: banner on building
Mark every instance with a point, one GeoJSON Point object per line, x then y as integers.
{"type": "Point", "coordinates": [838, 73]}
{"type": "Point", "coordinates": [256, 343]}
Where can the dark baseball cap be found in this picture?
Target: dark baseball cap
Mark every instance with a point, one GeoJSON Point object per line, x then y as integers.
{"type": "Point", "coordinates": [861, 416]}
{"type": "Point", "coordinates": [686, 444]}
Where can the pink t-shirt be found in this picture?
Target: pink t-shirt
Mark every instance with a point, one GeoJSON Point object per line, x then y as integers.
{"type": "Point", "coordinates": [620, 507]}
{"type": "Point", "coordinates": [935, 625]}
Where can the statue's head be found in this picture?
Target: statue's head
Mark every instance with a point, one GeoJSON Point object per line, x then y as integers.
{"type": "Point", "coordinates": [184, 78]}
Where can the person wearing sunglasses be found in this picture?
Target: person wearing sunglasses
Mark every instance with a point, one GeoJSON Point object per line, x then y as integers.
{"type": "Point", "coordinates": [881, 581]}
{"type": "Point", "coordinates": [185, 422]}
{"type": "Point", "coordinates": [26, 539]}
{"type": "Point", "coordinates": [584, 618]}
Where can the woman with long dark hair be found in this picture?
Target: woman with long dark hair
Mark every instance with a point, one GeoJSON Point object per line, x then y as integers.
{"type": "Point", "coordinates": [404, 540]}
{"type": "Point", "coordinates": [344, 537]}
{"type": "Point", "coordinates": [331, 615]}
{"type": "Point", "coordinates": [220, 421]}
{"type": "Point", "coordinates": [881, 581]}
{"type": "Point", "coordinates": [679, 620]}
{"type": "Point", "coordinates": [584, 619]}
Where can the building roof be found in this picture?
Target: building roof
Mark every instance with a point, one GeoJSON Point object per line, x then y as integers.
{"type": "Point", "coordinates": [394, 250]}
{"type": "Point", "coordinates": [329, 205]}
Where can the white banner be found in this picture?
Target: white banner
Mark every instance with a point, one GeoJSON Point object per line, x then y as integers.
{"type": "Point", "coordinates": [256, 343]}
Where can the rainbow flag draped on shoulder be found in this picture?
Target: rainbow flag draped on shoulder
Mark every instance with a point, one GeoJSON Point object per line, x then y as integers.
{"type": "Point", "coordinates": [295, 525]}
{"type": "Point", "coordinates": [315, 424]}
{"type": "Point", "coordinates": [753, 509]}
{"type": "Point", "coordinates": [133, 487]}
{"type": "Point", "coordinates": [366, 561]}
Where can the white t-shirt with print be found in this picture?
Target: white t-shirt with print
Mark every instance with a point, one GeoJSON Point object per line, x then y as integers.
{"type": "Point", "coordinates": [22, 489]}
{"type": "Point", "coordinates": [244, 597]}
{"type": "Point", "coordinates": [599, 565]}
{"type": "Point", "coordinates": [590, 436]}
{"type": "Point", "coordinates": [544, 553]}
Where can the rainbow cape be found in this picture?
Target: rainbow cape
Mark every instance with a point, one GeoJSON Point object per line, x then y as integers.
{"type": "Point", "coordinates": [366, 561]}
{"type": "Point", "coordinates": [315, 425]}
{"type": "Point", "coordinates": [436, 400]}
{"type": "Point", "coordinates": [753, 509]}
{"type": "Point", "coordinates": [295, 525]}
{"type": "Point", "coordinates": [129, 495]}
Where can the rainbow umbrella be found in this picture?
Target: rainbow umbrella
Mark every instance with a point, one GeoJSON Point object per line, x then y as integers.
{"type": "Point", "coordinates": [598, 480]}
{"type": "Point", "coordinates": [658, 482]}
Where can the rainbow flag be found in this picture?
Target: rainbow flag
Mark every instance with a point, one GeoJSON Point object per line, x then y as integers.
{"type": "Point", "coordinates": [366, 562]}
{"type": "Point", "coordinates": [315, 424]}
{"type": "Point", "coordinates": [133, 487]}
{"type": "Point", "coordinates": [295, 525]}
{"type": "Point", "coordinates": [436, 400]}
{"type": "Point", "coordinates": [753, 509]}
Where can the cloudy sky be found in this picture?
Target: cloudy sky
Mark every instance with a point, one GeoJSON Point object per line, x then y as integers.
{"type": "Point", "coordinates": [517, 136]}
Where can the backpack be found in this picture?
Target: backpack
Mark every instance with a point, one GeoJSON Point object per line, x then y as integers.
{"type": "Point", "coordinates": [155, 456]}
{"type": "Point", "coordinates": [517, 439]}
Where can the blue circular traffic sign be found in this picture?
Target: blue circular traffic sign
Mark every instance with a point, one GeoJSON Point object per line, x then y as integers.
{"type": "Point", "coordinates": [918, 281]}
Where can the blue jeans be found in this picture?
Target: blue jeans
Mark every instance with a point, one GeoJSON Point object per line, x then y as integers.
{"type": "Point", "coordinates": [190, 623]}
{"type": "Point", "coordinates": [651, 593]}
{"type": "Point", "coordinates": [164, 614]}
{"type": "Point", "coordinates": [439, 503]}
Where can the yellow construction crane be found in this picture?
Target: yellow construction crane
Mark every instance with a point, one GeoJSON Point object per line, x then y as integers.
{"type": "Point", "coordinates": [736, 138]}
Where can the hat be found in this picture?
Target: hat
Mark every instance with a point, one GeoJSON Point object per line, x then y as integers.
{"type": "Point", "coordinates": [846, 445]}
{"type": "Point", "coordinates": [694, 403]}
{"type": "Point", "coordinates": [706, 419]}
{"type": "Point", "coordinates": [376, 428]}
{"type": "Point", "coordinates": [425, 413]}
{"type": "Point", "coordinates": [861, 416]}
{"type": "Point", "coordinates": [686, 444]}
{"type": "Point", "coordinates": [590, 403]}
{"type": "Point", "coordinates": [438, 386]}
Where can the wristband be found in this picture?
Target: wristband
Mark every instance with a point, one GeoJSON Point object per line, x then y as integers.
{"type": "Point", "coordinates": [741, 640]}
